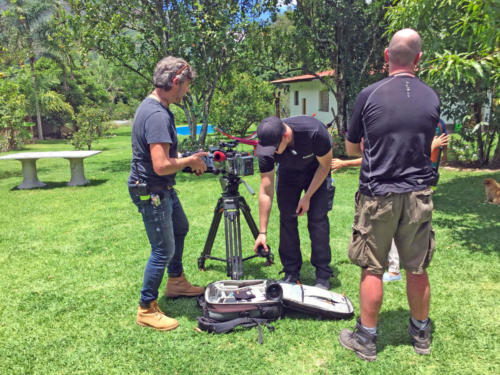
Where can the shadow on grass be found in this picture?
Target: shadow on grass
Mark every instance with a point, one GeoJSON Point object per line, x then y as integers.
{"type": "Point", "coordinates": [57, 185]}
{"type": "Point", "coordinates": [393, 329]}
{"type": "Point", "coordinates": [182, 306]}
{"type": "Point", "coordinates": [117, 166]}
{"type": "Point", "coordinates": [254, 268]}
{"type": "Point", "coordinates": [461, 208]}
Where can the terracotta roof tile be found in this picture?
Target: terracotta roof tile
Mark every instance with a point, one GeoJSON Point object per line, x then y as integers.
{"type": "Point", "coordinates": [304, 77]}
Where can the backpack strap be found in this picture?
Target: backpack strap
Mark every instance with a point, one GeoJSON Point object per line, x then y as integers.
{"type": "Point", "coordinates": [214, 326]}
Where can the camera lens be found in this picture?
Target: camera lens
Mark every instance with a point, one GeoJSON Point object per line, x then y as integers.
{"type": "Point", "coordinates": [274, 292]}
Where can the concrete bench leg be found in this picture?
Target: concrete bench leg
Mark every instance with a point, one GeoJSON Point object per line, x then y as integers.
{"type": "Point", "coordinates": [77, 174]}
{"type": "Point", "coordinates": [30, 180]}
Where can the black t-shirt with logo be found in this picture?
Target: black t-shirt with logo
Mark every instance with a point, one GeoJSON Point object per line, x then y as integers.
{"type": "Point", "coordinates": [311, 140]}
{"type": "Point", "coordinates": [397, 118]}
{"type": "Point", "coordinates": [153, 123]}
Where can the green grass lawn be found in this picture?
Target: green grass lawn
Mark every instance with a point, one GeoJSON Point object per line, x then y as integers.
{"type": "Point", "coordinates": [72, 259]}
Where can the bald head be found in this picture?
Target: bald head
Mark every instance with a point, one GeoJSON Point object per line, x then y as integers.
{"type": "Point", "coordinates": [404, 48]}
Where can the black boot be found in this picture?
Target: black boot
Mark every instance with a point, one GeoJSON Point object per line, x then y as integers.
{"type": "Point", "coordinates": [361, 342]}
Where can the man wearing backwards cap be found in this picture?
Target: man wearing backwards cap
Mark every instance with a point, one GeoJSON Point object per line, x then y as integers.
{"type": "Point", "coordinates": [302, 148]}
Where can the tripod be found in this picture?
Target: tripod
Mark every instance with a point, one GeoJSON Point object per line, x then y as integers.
{"type": "Point", "coordinates": [230, 203]}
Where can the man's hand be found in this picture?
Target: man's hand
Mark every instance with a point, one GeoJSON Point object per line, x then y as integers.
{"type": "Point", "coordinates": [261, 240]}
{"type": "Point", "coordinates": [197, 164]}
{"type": "Point", "coordinates": [303, 206]}
{"type": "Point", "coordinates": [337, 164]}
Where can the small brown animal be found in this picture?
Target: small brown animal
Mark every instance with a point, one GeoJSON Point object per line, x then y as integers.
{"type": "Point", "coordinates": [492, 189]}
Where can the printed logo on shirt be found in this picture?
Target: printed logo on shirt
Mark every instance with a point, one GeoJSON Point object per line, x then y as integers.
{"type": "Point", "coordinates": [308, 156]}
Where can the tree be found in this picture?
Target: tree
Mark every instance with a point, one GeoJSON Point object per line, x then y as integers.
{"type": "Point", "coordinates": [91, 123]}
{"type": "Point", "coordinates": [343, 35]}
{"type": "Point", "coordinates": [242, 101]}
{"type": "Point", "coordinates": [13, 127]}
{"type": "Point", "coordinates": [270, 49]}
{"type": "Point", "coordinates": [137, 33]}
{"type": "Point", "coordinates": [22, 19]}
{"type": "Point", "coordinates": [461, 61]}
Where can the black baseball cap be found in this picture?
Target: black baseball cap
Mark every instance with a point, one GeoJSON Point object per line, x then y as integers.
{"type": "Point", "coordinates": [269, 132]}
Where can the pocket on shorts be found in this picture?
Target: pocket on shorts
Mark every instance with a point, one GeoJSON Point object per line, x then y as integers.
{"type": "Point", "coordinates": [430, 250]}
{"type": "Point", "coordinates": [422, 206]}
{"type": "Point", "coordinates": [357, 252]}
{"type": "Point", "coordinates": [380, 208]}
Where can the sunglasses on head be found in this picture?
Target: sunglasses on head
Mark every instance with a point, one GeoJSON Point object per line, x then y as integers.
{"type": "Point", "coordinates": [184, 67]}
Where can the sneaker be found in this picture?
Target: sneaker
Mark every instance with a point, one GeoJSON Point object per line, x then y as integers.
{"type": "Point", "coordinates": [290, 278]}
{"type": "Point", "coordinates": [388, 277]}
{"type": "Point", "coordinates": [420, 338]}
{"type": "Point", "coordinates": [323, 284]}
{"type": "Point", "coordinates": [152, 316]}
{"type": "Point", "coordinates": [360, 342]}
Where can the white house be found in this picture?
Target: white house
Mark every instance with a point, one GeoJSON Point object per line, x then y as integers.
{"type": "Point", "coordinates": [309, 96]}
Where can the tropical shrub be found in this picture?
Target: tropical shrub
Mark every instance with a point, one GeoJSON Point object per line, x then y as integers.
{"type": "Point", "coordinates": [91, 123]}
{"type": "Point", "coordinates": [13, 127]}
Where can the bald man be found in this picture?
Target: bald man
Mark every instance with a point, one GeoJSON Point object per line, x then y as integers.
{"type": "Point", "coordinates": [397, 117]}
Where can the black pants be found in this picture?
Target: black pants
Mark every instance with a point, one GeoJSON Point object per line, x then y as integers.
{"type": "Point", "coordinates": [289, 189]}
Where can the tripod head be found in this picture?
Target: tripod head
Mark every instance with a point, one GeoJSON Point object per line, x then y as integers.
{"type": "Point", "coordinates": [230, 182]}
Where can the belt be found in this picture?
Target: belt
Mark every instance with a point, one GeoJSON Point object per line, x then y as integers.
{"type": "Point", "coordinates": [157, 188]}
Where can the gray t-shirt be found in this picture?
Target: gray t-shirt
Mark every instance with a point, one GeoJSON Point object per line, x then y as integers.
{"type": "Point", "coordinates": [153, 123]}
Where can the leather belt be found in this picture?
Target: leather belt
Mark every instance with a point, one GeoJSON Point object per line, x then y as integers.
{"type": "Point", "coordinates": [158, 188]}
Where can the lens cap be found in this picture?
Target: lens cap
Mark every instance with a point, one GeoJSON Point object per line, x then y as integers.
{"type": "Point", "coordinates": [261, 250]}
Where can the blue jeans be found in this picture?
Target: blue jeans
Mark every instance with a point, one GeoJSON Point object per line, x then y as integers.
{"type": "Point", "coordinates": [166, 226]}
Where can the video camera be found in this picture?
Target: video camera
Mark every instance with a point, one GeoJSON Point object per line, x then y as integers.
{"type": "Point", "coordinates": [235, 163]}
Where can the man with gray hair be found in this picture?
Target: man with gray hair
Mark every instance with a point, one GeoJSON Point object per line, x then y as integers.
{"type": "Point", "coordinates": [151, 183]}
{"type": "Point", "coordinates": [396, 117]}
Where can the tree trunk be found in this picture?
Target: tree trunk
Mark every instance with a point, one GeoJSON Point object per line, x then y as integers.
{"type": "Point", "coordinates": [277, 94]}
{"type": "Point", "coordinates": [480, 144]}
{"type": "Point", "coordinates": [204, 128]}
{"type": "Point", "coordinates": [35, 93]}
{"type": "Point", "coordinates": [187, 107]}
{"type": "Point", "coordinates": [496, 155]}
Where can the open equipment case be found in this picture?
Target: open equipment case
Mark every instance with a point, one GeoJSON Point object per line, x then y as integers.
{"type": "Point", "coordinates": [227, 304]}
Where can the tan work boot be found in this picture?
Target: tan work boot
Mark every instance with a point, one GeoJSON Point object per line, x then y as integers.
{"type": "Point", "coordinates": [153, 317]}
{"type": "Point", "coordinates": [179, 286]}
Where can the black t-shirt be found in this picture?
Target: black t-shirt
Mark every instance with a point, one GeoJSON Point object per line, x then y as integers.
{"type": "Point", "coordinates": [311, 139]}
{"type": "Point", "coordinates": [153, 123]}
{"type": "Point", "coordinates": [397, 118]}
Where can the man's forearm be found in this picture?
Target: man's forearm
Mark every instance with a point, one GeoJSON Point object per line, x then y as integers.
{"type": "Point", "coordinates": [171, 166]}
{"type": "Point", "coordinates": [318, 178]}
{"type": "Point", "coordinates": [265, 204]}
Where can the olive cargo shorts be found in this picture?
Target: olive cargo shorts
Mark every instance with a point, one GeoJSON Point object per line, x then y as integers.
{"type": "Point", "coordinates": [405, 217]}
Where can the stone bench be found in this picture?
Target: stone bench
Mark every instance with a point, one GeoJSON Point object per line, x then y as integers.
{"type": "Point", "coordinates": [28, 161]}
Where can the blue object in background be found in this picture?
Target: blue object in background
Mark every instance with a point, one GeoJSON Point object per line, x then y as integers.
{"type": "Point", "coordinates": [184, 130]}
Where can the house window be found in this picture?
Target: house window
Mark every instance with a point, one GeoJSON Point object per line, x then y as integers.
{"type": "Point", "coordinates": [296, 98]}
{"type": "Point", "coordinates": [304, 106]}
{"type": "Point", "coordinates": [323, 101]}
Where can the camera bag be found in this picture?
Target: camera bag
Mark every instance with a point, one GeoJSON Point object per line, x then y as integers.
{"type": "Point", "coordinates": [228, 304]}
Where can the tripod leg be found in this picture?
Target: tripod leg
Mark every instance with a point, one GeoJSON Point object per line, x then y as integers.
{"type": "Point", "coordinates": [253, 227]}
{"type": "Point", "coordinates": [238, 259]}
{"type": "Point", "coordinates": [233, 239]}
{"type": "Point", "coordinates": [211, 234]}
{"type": "Point", "coordinates": [248, 217]}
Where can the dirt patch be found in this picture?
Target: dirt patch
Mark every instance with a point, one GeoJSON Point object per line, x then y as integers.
{"type": "Point", "coordinates": [468, 167]}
